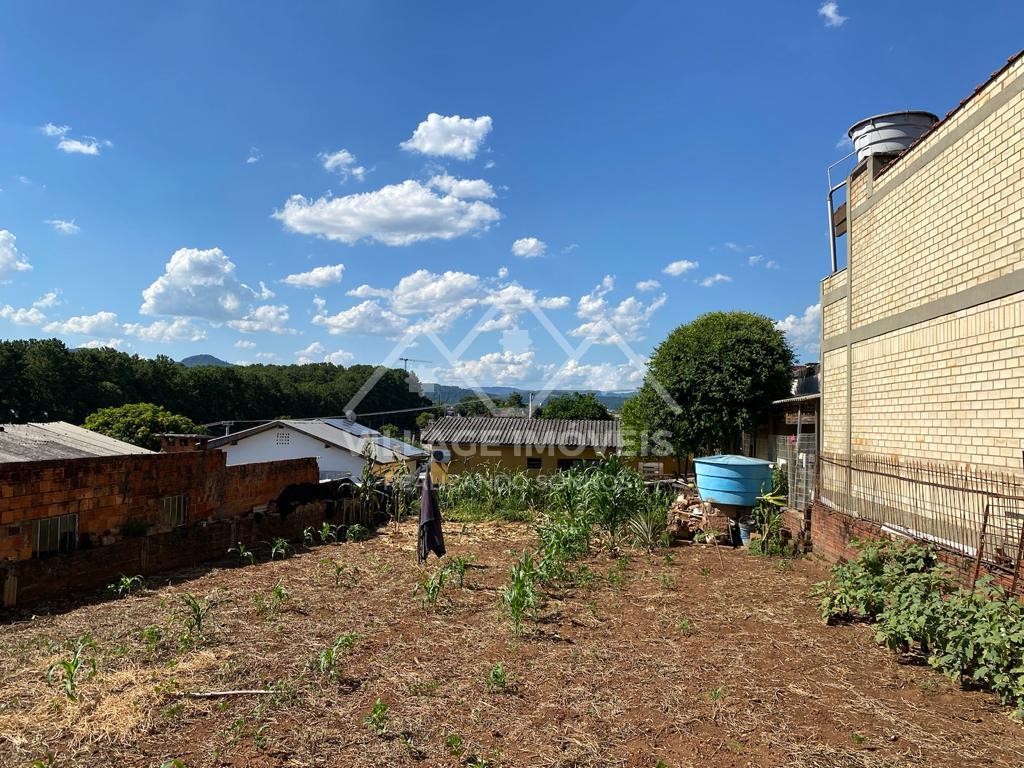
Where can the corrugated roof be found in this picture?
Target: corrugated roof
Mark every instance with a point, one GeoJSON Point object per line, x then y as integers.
{"type": "Point", "coordinates": [341, 433]}
{"type": "Point", "coordinates": [511, 431]}
{"type": "Point", "coordinates": [58, 440]}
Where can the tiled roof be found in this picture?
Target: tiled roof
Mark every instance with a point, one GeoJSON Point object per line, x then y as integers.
{"type": "Point", "coordinates": [499, 431]}
{"type": "Point", "coordinates": [967, 100]}
{"type": "Point", "coordinates": [58, 440]}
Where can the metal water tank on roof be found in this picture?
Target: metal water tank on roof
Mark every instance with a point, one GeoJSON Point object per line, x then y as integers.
{"type": "Point", "coordinates": [889, 133]}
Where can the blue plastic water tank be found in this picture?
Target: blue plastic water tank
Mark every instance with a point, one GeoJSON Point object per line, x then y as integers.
{"type": "Point", "coordinates": [728, 479]}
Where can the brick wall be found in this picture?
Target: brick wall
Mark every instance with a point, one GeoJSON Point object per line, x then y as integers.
{"type": "Point", "coordinates": [110, 493]}
{"type": "Point", "coordinates": [84, 570]}
{"type": "Point", "coordinates": [946, 217]}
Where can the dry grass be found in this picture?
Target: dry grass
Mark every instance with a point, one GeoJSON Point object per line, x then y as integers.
{"type": "Point", "coordinates": [682, 659]}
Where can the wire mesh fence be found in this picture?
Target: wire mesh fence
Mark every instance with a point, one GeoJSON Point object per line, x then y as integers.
{"type": "Point", "coordinates": [797, 457]}
{"type": "Point", "coordinates": [974, 512]}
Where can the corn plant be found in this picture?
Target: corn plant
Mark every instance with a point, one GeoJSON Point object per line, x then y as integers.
{"type": "Point", "coordinates": [328, 532]}
{"type": "Point", "coordinates": [194, 613]}
{"type": "Point", "coordinates": [279, 547]}
{"type": "Point", "coordinates": [271, 604]}
{"type": "Point", "coordinates": [458, 566]}
{"type": "Point", "coordinates": [377, 720]}
{"type": "Point", "coordinates": [74, 668]}
{"type": "Point", "coordinates": [497, 678]}
{"type": "Point", "coordinates": [328, 660]}
{"type": "Point", "coordinates": [125, 585]}
{"type": "Point", "coordinates": [151, 637]}
{"type": "Point", "coordinates": [518, 597]}
{"type": "Point", "coordinates": [430, 586]}
{"type": "Point", "coordinates": [244, 555]}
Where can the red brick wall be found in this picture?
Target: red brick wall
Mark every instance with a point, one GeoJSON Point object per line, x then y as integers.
{"type": "Point", "coordinates": [109, 492]}
{"type": "Point", "coordinates": [83, 570]}
{"type": "Point", "coordinates": [832, 532]}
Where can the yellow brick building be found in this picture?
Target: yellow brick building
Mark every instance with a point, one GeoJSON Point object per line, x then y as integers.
{"type": "Point", "coordinates": [537, 446]}
{"type": "Point", "coordinates": [923, 330]}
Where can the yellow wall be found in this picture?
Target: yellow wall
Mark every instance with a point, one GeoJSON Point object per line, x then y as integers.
{"type": "Point", "coordinates": [941, 233]}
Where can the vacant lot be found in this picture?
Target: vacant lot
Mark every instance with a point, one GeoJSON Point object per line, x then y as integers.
{"type": "Point", "coordinates": [672, 659]}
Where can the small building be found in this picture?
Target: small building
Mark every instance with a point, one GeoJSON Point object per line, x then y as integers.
{"type": "Point", "coordinates": [539, 446]}
{"type": "Point", "coordinates": [58, 440]}
{"type": "Point", "coordinates": [338, 445]}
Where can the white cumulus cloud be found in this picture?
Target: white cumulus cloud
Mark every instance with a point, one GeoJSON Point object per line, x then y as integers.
{"type": "Point", "coordinates": [343, 163]}
{"type": "Point", "coordinates": [605, 323]}
{"type": "Point", "coordinates": [166, 331]}
{"type": "Point", "coordinates": [451, 136]}
{"type": "Point", "coordinates": [88, 145]}
{"type": "Point", "coordinates": [317, 277]}
{"type": "Point", "coordinates": [365, 291]}
{"type": "Point", "coordinates": [317, 353]}
{"type": "Point", "coordinates": [10, 259]}
{"type": "Point", "coordinates": [464, 189]}
{"type": "Point", "coordinates": [102, 344]}
{"type": "Point", "coordinates": [397, 214]}
{"type": "Point", "coordinates": [715, 279]}
{"type": "Point", "coordinates": [64, 226]}
{"type": "Point", "coordinates": [22, 315]}
{"type": "Point", "coordinates": [830, 13]}
{"type": "Point", "coordinates": [681, 267]}
{"type": "Point", "coordinates": [245, 344]}
{"type": "Point", "coordinates": [86, 325]}
{"type": "Point", "coordinates": [529, 247]}
{"type": "Point", "coordinates": [198, 283]}
{"type": "Point", "coordinates": [368, 318]}
{"type": "Point", "coordinates": [270, 318]}
{"type": "Point", "coordinates": [648, 285]}
{"type": "Point", "coordinates": [803, 331]}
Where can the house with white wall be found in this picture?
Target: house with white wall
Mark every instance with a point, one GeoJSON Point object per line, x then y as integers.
{"type": "Point", "coordinates": [338, 445]}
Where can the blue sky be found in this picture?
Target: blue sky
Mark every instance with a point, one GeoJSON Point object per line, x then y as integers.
{"type": "Point", "coordinates": [280, 182]}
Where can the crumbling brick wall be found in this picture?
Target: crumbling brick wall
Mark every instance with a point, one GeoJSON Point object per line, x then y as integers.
{"type": "Point", "coordinates": [113, 493]}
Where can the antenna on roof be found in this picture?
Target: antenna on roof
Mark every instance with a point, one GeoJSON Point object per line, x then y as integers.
{"type": "Point", "coordinates": [350, 415]}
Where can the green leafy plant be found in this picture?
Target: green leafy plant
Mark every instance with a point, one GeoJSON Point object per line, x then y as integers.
{"type": "Point", "coordinates": [125, 585]}
{"type": "Point", "coordinates": [685, 626]}
{"type": "Point", "coordinates": [279, 548]}
{"type": "Point", "coordinates": [377, 719]}
{"type": "Point", "coordinates": [193, 613]}
{"type": "Point", "coordinates": [519, 597]}
{"type": "Point", "coordinates": [244, 555]}
{"type": "Point", "coordinates": [497, 678]}
{"type": "Point", "coordinates": [458, 566]}
{"type": "Point", "coordinates": [269, 605]}
{"type": "Point", "coordinates": [74, 668]}
{"type": "Point", "coordinates": [357, 532]}
{"type": "Point", "coordinates": [151, 637]}
{"type": "Point", "coordinates": [329, 659]}
{"type": "Point", "coordinates": [430, 586]}
{"type": "Point", "coordinates": [455, 745]}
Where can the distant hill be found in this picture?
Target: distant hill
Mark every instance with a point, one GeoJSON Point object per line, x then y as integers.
{"type": "Point", "coordinates": [449, 393]}
{"type": "Point", "coordinates": [197, 360]}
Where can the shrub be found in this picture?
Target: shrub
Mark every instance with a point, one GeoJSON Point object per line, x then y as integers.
{"type": "Point", "coordinates": [972, 636]}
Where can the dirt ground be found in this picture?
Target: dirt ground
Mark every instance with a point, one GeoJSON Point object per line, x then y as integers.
{"type": "Point", "coordinates": [673, 659]}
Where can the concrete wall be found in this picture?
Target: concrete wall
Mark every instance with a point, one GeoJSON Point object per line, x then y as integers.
{"type": "Point", "coordinates": [265, 446]}
{"type": "Point", "coordinates": [108, 493]}
{"type": "Point", "coordinates": [923, 332]}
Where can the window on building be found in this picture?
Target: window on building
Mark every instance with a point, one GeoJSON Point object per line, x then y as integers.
{"type": "Point", "coordinates": [283, 437]}
{"type": "Point", "coordinates": [564, 465]}
{"type": "Point", "coordinates": [53, 535]}
{"type": "Point", "coordinates": [533, 462]}
{"type": "Point", "coordinates": [174, 510]}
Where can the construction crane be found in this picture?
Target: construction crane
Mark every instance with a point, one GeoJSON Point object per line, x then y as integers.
{"type": "Point", "coordinates": [407, 360]}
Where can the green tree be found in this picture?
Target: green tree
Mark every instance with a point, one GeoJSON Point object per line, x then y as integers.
{"type": "Point", "coordinates": [575, 405]}
{"type": "Point", "coordinates": [425, 418]}
{"type": "Point", "coordinates": [721, 372]}
{"type": "Point", "coordinates": [138, 423]}
{"type": "Point", "coordinates": [390, 430]}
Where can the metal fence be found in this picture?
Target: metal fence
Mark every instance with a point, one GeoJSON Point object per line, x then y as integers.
{"type": "Point", "coordinates": [974, 512]}
{"type": "Point", "coordinates": [797, 457]}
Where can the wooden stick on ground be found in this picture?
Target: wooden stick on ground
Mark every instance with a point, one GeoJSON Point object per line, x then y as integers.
{"type": "Point", "coordinates": [217, 694]}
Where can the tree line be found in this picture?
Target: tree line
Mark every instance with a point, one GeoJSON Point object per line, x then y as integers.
{"type": "Point", "coordinates": [44, 380]}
